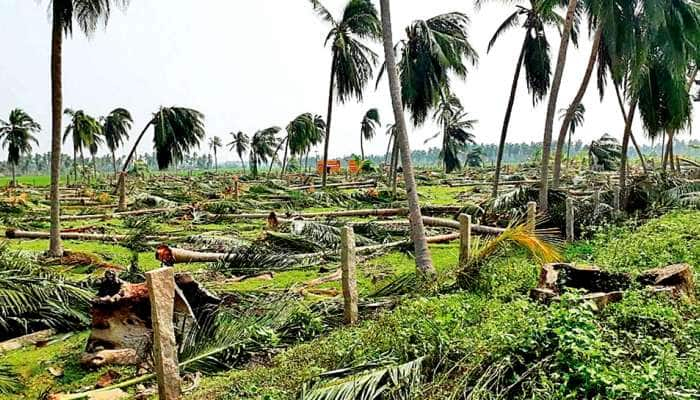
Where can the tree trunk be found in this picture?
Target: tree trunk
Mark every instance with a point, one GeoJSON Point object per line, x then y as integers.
{"type": "Point", "coordinates": [624, 117]}
{"type": "Point", "coordinates": [114, 164]}
{"type": "Point", "coordinates": [216, 162]}
{"type": "Point", "coordinates": [55, 246]}
{"type": "Point", "coordinates": [552, 106]}
{"type": "Point", "coordinates": [569, 116]}
{"type": "Point", "coordinates": [127, 161]}
{"type": "Point", "coordinates": [424, 263]}
{"type": "Point", "coordinates": [14, 180]}
{"type": "Point", "coordinates": [75, 164]}
{"type": "Point", "coordinates": [506, 119]}
{"type": "Point", "coordinates": [328, 120]}
{"type": "Point", "coordinates": [284, 159]}
{"type": "Point", "coordinates": [625, 145]}
{"type": "Point", "coordinates": [393, 170]}
{"type": "Point", "coordinates": [388, 149]}
{"type": "Point", "coordinates": [362, 147]}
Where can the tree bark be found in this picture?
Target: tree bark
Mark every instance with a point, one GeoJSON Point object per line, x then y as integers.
{"type": "Point", "coordinates": [625, 145]}
{"type": "Point", "coordinates": [424, 263]}
{"type": "Point", "coordinates": [284, 159]}
{"type": "Point", "coordinates": [55, 245]}
{"type": "Point", "coordinates": [569, 116]}
{"type": "Point", "coordinates": [624, 117]}
{"type": "Point", "coordinates": [127, 161]}
{"type": "Point", "coordinates": [362, 147]}
{"type": "Point", "coordinates": [506, 120]}
{"type": "Point", "coordinates": [552, 106]}
{"type": "Point", "coordinates": [114, 163]}
{"type": "Point", "coordinates": [329, 117]}
{"type": "Point", "coordinates": [14, 181]}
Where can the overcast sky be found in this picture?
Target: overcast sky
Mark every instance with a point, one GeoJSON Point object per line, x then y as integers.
{"type": "Point", "coordinates": [249, 65]}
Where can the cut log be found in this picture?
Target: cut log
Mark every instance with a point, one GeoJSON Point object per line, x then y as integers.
{"type": "Point", "coordinates": [26, 340]}
{"type": "Point", "coordinates": [677, 277]}
{"type": "Point", "coordinates": [340, 185]}
{"type": "Point", "coordinates": [377, 212]}
{"type": "Point", "coordinates": [122, 214]}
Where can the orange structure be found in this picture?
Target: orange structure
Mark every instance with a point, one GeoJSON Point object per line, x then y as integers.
{"type": "Point", "coordinates": [353, 166]}
{"type": "Point", "coordinates": [332, 166]}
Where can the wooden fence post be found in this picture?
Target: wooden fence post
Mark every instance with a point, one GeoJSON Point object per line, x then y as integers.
{"type": "Point", "coordinates": [616, 198]}
{"type": "Point", "coordinates": [121, 189]}
{"type": "Point", "coordinates": [531, 215]}
{"type": "Point", "coordinates": [569, 219]}
{"type": "Point", "coordinates": [235, 189]}
{"type": "Point", "coordinates": [465, 238]}
{"type": "Point", "coordinates": [161, 292]}
{"type": "Point", "coordinates": [347, 264]}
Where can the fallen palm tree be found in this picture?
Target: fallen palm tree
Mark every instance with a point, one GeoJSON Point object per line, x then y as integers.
{"type": "Point", "coordinates": [340, 185]}
{"type": "Point", "coordinates": [20, 234]}
{"type": "Point", "coordinates": [122, 214]}
{"type": "Point", "coordinates": [369, 212]}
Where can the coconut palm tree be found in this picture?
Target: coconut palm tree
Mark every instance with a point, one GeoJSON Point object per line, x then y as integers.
{"type": "Point", "coordinates": [88, 14]}
{"type": "Point", "coordinates": [239, 144]}
{"type": "Point", "coordinates": [17, 134]}
{"type": "Point", "coordinates": [475, 157]}
{"type": "Point", "coordinates": [214, 144]}
{"type": "Point", "coordinates": [303, 132]}
{"type": "Point", "coordinates": [434, 49]}
{"type": "Point", "coordinates": [604, 154]}
{"type": "Point", "coordinates": [84, 131]}
{"type": "Point", "coordinates": [424, 263]}
{"type": "Point", "coordinates": [115, 128]}
{"type": "Point", "coordinates": [455, 131]}
{"type": "Point", "coordinates": [352, 61]}
{"type": "Point", "coordinates": [368, 128]}
{"type": "Point", "coordinates": [576, 121]}
{"type": "Point", "coordinates": [567, 28]}
{"type": "Point", "coordinates": [534, 57]}
{"type": "Point", "coordinates": [262, 147]}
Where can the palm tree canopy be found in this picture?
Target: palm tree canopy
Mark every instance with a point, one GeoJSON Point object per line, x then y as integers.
{"type": "Point", "coordinates": [239, 143]}
{"type": "Point", "coordinates": [17, 134]}
{"type": "Point", "coordinates": [115, 128]}
{"type": "Point", "coordinates": [304, 132]}
{"type": "Point", "coordinates": [353, 61]}
{"type": "Point", "coordinates": [605, 153]}
{"type": "Point", "coordinates": [215, 143]}
{"type": "Point", "coordinates": [579, 116]}
{"type": "Point", "coordinates": [83, 129]}
{"type": "Point", "coordinates": [176, 131]}
{"type": "Point", "coordinates": [264, 143]}
{"type": "Point", "coordinates": [88, 14]}
{"type": "Point", "coordinates": [434, 48]}
{"type": "Point", "coordinates": [370, 123]}
{"type": "Point", "coordinates": [455, 130]}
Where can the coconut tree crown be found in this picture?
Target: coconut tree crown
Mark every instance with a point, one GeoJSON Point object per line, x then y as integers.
{"type": "Point", "coordinates": [176, 131]}
{"type": "Point", "coordinates": [17, 135]}
{"type": "Point", "coordinates": [115, 128]}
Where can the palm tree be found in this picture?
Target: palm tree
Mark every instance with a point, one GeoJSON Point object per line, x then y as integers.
{"type": "Point", "coordinates": [240, 144]}
{"type": "Point", "coordinates": [94, 146]}
{"type": "Point", "coordinates": [433, 49]}
{"type": "Point", "coordinates": [455, 131]}
{"type": "Point", "coordinates": [214, 144]}
{"type": "Point", "coordinates": [303, 132]}
{"type": "Point", "coordinates": [262, 147]}
{"type": "Point", "coordinates": [16, 134]}
{"type": "Point", "coordinates": [84, 131]}
{"type": "Point", "coordinates": [352, 61]}
{"type": "Point", "coordinates": [88, 14]}
{"type": "Point", "coordinates": [604, 154]}
{"type": "Point", "coordinates": [534, 56]}
{"type": "Point", "coordinates": [368, 128]}
{"type": "Point", "coordinates": [424, 263]}
{"type": "Point", "coordinates": [475, 157]}
{"type": "Point", "coordinates": [576, 121]}
{"type": "Point", "coordinates": [552, 105]}
{"type": "Point", "coordinates": [115, 128]}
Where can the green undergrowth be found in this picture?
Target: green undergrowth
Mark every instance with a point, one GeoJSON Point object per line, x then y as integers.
{"type": "Point", "coordinates": [497, 343]}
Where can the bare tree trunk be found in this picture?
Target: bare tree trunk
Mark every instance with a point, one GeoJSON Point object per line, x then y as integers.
{"type": "Point", "coordinates": [55, 245]}
{"type": "Point", "coordinates": [216, 162]}
{"type": "Point", "coordinates": [284, 160]}
{"type": "Point", "coordinates": [388, 149]}
{"type": "Point", "coordinates": [127, 161]}
{"type": "Point", "coordinates": [667, 148]}
{"type": "Point", "coordinates": [624, 117]}
{"type": "Point", "coordinates": [569, 116]}
{"type": "Point", "coordinates": [506, 120]}
{"type": "Point", "coordinates": [424, 263]}
{"type": "Point", "coordinates": [329, 117]}
{"type": "Point", "coordinates": [114, 164]}
{"type": "Point", "coordinates": [552, 106]}
{"type": "Point", "coordinates": [14, 180]}
{"type": "Point", "coordinates": [625, 145]}
{"type": "Point", "coordinates": [362, 147]}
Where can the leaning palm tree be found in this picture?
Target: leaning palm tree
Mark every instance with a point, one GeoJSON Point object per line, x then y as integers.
{"type": "Point", "coordinates": [239, 144]}
{"type": "Point", "coordinates": [263, 145]}
{"type": "Point", "coordinates": [475, 157]}
{"type": "Point", "coordinates": [17, 135]}
{"type": "Point", "coordinates": [115, 128]}
{"type": "Point", "coordinates": [303, 132]}
{"type": "Point", "coordinates": [94, 146]}
{"type": "Point", "coordinates": [352, 61]}
{"type": "Point", "coordinates": [568, 27]}
{"type": "Point", "coordinates": [604, 154]}
{"type": "Point", "coordinates": [576, 121]}
{"type": "Point", "coordinates": [455, 131]}
{"type": "Point", "coordinates": [84, 131]}
{"type": "Point", "coordinates": [434, 49]}
{"type": "Point", "coordinates": [88, 14]}
{"type": "Point", "coordinates": [214, 144]}
{"type": "Point", "coordinates": [368, 128]}
{"type": "Point", "coordinates": [534, 57]}
{"type": "Point", "coordinates": [424, 263]}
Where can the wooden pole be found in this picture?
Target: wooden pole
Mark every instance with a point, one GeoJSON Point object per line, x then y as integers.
{"type": "Point", "coordinates": [465, 238]}
{"type": "Point", "coordinates": [347, 261]}
{"type": "Point", "coordinates": [616, 198]}
{"type": "Point", "coordinates": [122, 192]}
{"type": "Point", "coordinates": [569, 219]}
{"type": "Point", "coordinates": [531, 214]}
{"type": "Point", "coordinates": [235, 189]}
{"type": "Point", "coordinates": [161, 292]}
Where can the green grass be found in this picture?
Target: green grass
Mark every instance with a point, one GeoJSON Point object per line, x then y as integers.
{"type": "Point", "coordinates": [33, 180]}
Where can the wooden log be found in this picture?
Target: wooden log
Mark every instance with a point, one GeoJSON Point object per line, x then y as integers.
{"type": "Point", "coordinates": [161, 291]}
{"type": "Point", "coordinates": [376, 212]}
{"type": "Point", "coordinates": [101, 237]}
{"type": "Point", "coordinates": [121, 191]}
{"type": "Point", "coordinates": [346, 185]}
{"type": "Point", "coordinates": [465, 238]}
{"type": "Point", "coordinates": [616, 198]}
{"type": "Point", "coordinates": [531, 214]}
{"type": "Point", "coordinates": [133, 213]}
{"type": "Point", "coordinates": [349, 279]}
{"type": "Point", "coordinates": [26, 340]}
{"type": "Point", "coordinates": [569, 219]}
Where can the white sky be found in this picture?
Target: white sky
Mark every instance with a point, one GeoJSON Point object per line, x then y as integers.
{"type": "Point", "coordinates": [248, 65]}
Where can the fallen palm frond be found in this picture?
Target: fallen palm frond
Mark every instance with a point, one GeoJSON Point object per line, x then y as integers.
{"type": "Point", "coordinates": [253, 259]}
{"type": "Point", "coordinates": [686, 195]}
{"type": "Point", "coordinates": [398, 381]}
{"type": "Point", "coordinates": [9, 380]}
{"type": "Point", "coordinates": [32, 298]}
{"type": "Point", "coordinates": [325, 235]}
